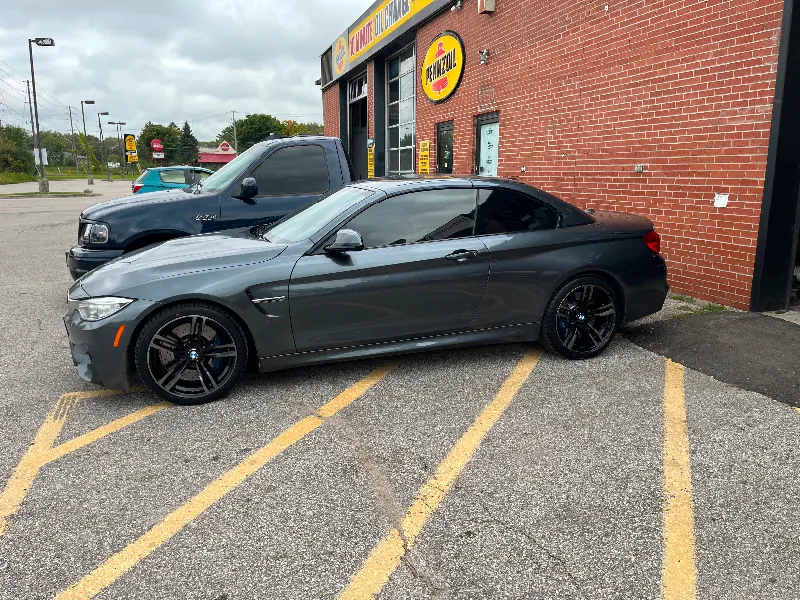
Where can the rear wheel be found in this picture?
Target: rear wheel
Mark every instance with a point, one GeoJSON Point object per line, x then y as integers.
{"type": "Point", "coordinates": [581, 319]}
{"type": "Point", "coordinates": [191, 353]}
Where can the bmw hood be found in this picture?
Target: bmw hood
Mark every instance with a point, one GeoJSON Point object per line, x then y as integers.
{"type": "Point", "coordinates": [101, 210]}
{"type": "Point", "coordinates": [193, 254]}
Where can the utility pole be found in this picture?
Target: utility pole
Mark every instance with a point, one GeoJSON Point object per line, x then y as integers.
{"type": "Point", "coordinates": [235, 143]}
{"type": "Point", "coordinates": [119, 125]}
{"type": "Point", "coordinates": [30, 105]}
{"type": "Point", "coordinates": [102, 150]}
{"type": "Point", "coordinates": [44, 186]}
{"type": "Point", "coordinates": [89, 178]}
{"type": "Point", "coordinates": [72, 137]}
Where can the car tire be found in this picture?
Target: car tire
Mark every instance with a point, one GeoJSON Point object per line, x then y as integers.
{"type": "Point", "coordinates": [581, 318]}
{"type": "Point", "coordinates": [191, 353]}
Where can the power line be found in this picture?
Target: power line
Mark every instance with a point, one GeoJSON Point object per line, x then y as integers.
{"type": "Point", "coordinates": [12, 68]}
{"type": "Point", "coordinates": [13, 89]}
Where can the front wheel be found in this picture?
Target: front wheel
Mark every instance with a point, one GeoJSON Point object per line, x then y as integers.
{"type": "Point", "coordinates": [581, 319]}
{"type": "Point", "coordinates": [191, 353]}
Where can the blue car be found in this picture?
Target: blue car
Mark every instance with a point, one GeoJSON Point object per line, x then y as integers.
{"type": "Point", "coordinates": [168, 178]}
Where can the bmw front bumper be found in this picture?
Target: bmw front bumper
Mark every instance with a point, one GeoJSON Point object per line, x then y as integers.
{"type": "Point", "coordinates": [100, 349]}
{"type": "Point", "coordinates": [81, 260]}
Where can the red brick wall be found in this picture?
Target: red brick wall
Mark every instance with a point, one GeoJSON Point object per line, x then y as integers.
{"type": "Point", "coordinates": [330, 110]}
{"type": "Point", "coordinates": [684, 87]}
{"type": "Point", "coordinates": [371, 99]}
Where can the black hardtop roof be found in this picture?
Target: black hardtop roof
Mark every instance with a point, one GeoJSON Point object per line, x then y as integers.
{"type": "Point", "coordinates": [572, 215]}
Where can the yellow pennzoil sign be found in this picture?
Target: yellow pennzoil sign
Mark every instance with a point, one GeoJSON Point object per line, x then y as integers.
{"type": "Point", "coordinates": [443, 66]}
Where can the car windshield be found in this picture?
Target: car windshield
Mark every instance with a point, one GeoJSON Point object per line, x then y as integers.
{"type": "Point", "coordinates": [307, 221]}
{"type": "Point", "coordinates": [220, 180]}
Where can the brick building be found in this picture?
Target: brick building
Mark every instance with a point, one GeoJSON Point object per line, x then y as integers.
{"type": "Point", "coordinates": [685, 111]}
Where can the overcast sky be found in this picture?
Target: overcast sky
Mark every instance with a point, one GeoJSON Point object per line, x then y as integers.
{"type": "Point", "coordinates": [169, 60]}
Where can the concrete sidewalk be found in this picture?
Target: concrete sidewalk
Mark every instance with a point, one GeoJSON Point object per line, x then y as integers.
{"type": "Point", "coordinates": [105, 189]}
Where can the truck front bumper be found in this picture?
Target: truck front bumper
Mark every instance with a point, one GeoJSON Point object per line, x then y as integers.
{"type": "Point", "coordinates": [81, 260]}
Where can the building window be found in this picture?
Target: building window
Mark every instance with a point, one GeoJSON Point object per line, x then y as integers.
{"type": "Point", "coordinates": [400, 122]}
{"type": "Point", "coordinates": [358, 88]}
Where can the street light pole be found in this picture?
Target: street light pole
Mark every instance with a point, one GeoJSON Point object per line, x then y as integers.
{"type": "Point", "coordinates": [90, 179]}
{"type": "Point", "coordinates": [44, 186]}
{"type": "Point", "coordinates": [102, 151]}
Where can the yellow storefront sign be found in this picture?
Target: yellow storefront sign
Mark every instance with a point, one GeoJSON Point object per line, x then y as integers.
{"type": "Point", "coordinates": [370, 158]}
{"type": "Point", "coordinates": [130, 143]}
{"type": "Point", "coordinates": [386, 17]}
{"type": "Point", "coordinates": [424, 157]}
{"type": "Point", "coordinates": [443, 67]}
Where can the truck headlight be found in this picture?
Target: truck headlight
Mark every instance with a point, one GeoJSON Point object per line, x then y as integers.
{"type": "Point", "coordinates": [95, 233]}
{"type": "Point", "coordinates": [95, 309]}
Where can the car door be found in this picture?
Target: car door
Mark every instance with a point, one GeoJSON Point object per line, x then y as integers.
{"type": "Point", "coordinates": [528, 252]}
{"type": "Point", "coordinates": [421, 273]}
{"type": "Point", "coordinates": [287, 178]}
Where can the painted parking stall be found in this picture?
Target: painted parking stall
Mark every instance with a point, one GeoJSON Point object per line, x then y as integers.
{"type": "Point", "coordinates": [496, 471]}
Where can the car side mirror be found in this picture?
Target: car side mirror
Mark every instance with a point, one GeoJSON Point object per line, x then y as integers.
{"type": "Point", "coordinates": [346, 240]}
{"type": "Point", "coordinates": [249, 188]}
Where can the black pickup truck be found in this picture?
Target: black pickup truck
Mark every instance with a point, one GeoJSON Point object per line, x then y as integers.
{"type": "Point", "coordinates": [258, 187]}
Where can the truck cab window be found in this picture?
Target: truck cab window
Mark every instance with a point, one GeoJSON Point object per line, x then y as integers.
{"type": "Point", "coordinates": [294, 170]}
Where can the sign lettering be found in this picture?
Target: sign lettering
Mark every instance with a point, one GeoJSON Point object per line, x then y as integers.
{"type": "Point", "coordinates": [370, 158]}
{"type": "Point", "coordinates": [386, 17]}
{"type": "Point", "coordinates": [424, 157]}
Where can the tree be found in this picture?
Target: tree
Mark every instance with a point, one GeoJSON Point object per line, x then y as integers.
{"type": "Point", "coordinates": [168, 134]}
{"type": "Point", "coordinates": [15, 157]}
{"type": "Point", "coordinates": [188, 152]}
{"type": "Point", "coordinates": [294, 128]}
{"type": "Point", "coordinates": [90, 153]}
{"type": "Point", "coordinates": [56, 144]}
{"type": "Point", "coordinates": [251, 130]}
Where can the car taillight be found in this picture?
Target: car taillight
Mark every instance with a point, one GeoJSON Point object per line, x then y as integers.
{"type": "Point", "coordinates": [653, 241]}
{"type": "Point", "coordinates": [137, 187]}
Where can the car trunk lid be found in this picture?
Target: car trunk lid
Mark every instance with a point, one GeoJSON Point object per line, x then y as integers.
{"type": "Point", "coordinates": [620, 222]}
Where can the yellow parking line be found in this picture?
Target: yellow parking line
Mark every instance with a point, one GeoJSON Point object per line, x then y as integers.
{"type": "Point", "coordinates": [386, 556]}
{"type": "Point", "coordinates": [92, 436]}
{"type": "Point", "coordinates": [36, 457]}
{"type": "Point", "coordinates": [679, 572]}
{"type": "Point", "coordinates": [127, 558]}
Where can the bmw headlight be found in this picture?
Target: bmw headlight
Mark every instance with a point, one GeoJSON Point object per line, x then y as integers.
{"type": "Point", "coordinates": [95, 233]}
{"type": "Point", "coordinates": [94, 309]}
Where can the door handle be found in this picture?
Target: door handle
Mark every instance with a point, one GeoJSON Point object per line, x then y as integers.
{"type": "Point", "coordinates": [462, 255]}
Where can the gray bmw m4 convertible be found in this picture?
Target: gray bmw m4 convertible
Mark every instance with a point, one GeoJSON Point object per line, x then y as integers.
{"type": "Point", "coordinates": [378, 267]}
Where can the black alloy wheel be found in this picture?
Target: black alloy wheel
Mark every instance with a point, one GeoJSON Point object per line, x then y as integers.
{"type": "Point", "coordinates": [191, 353]}
{"type": "Point", "coordinates": [581, 319]}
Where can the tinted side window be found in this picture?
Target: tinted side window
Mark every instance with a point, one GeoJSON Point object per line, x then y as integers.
{"type": "Point", "coordinates": [417, 217]}
{"type": "Point", "coordinates": [505, 211]}
{"type": "Point", "coordinates": [293, 170]}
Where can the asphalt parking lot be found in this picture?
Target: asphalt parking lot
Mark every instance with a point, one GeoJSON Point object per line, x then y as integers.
{"type": "Point", "coordinates": [496, 472]}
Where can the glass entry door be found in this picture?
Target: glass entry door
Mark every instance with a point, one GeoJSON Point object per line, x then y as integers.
{"type": "Point", "coordinates": [444, 148]}
{"type": "Point", "coordinates": [487, 143]}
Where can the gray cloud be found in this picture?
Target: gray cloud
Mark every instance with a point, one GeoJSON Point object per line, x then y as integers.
{"type": "Point", "coordinates": [170, 60]}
